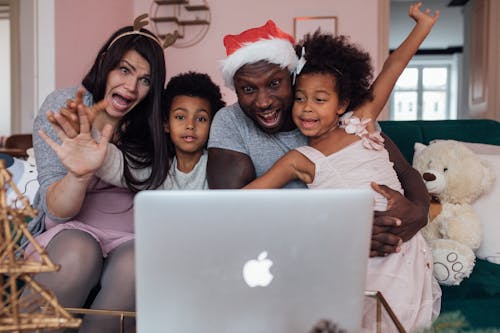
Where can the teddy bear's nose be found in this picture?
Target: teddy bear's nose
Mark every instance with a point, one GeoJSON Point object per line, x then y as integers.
{"type": "Point", "coordinates": [428, 176]}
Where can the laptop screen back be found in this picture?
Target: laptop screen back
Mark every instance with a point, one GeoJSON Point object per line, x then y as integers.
{"type": "Point", "coordinates": [251, 261]}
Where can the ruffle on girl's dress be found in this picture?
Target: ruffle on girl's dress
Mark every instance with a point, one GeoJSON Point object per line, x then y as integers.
{"type": "Point", "coordinates": [353, 125]}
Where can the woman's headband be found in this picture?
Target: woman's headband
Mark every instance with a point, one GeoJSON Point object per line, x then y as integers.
{"type": "Point", "coordinates": [139, 23]}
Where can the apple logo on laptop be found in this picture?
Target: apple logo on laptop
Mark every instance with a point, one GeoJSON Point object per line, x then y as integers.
{"type": "Point", "coordinates": [256, 271]}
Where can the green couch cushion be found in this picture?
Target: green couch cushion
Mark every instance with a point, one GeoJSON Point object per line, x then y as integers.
{"type": "Point", "coordinates": [403, 136]}
{"type": "Point", "coordinates": [406, 133]}
{"type": "Point", "coordinates": [478, 297]}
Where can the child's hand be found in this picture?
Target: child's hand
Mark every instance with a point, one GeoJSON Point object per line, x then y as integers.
{"type": "Point", "coordinates": [423, 17]}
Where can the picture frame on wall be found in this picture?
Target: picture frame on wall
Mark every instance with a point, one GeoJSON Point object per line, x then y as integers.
{"type": "Point", "coordinates": [303, 25]}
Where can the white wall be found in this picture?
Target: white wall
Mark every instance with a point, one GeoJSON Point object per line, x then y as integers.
{"type": "Point", "coordinates": [447, 32]}
{"type": "Point", "coordinates": [5, 77]}
{"type": "Point", "coordinates": [36, 31]}
{"type": "Point", "coordinates": [45, 43]}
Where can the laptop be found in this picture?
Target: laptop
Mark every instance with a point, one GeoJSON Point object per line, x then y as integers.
{"type": "Point", "coordinates": [251, 261]}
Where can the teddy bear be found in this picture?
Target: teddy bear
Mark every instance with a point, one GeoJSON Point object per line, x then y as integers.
{"type": "Point", "coordinates": [455, 177]}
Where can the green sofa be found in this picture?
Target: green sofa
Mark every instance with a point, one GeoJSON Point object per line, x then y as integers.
{"type": "Point", "coordinates": [478, 297]}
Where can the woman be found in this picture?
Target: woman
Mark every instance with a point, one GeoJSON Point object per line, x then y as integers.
{"type": "Point", "coordinates": [86, 225]}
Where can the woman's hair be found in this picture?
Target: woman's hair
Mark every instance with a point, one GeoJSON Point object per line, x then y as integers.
{"type": "Point", "coordinates": [194, 85]}
{"type": "Point", "coordinates": [349, 64]}
{"type": "Point", "coordinates": [139, 133]}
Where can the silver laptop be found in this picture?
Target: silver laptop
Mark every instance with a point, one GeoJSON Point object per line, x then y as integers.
{"type": "Point", "coordinates": [251, 261]}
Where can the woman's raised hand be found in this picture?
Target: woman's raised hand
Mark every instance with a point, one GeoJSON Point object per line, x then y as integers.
{"type": "Point", "coordinates": [70, 111]}
{"type": "Point", "coordinates": [79, 152]}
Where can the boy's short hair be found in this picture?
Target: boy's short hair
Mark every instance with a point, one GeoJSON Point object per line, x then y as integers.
{"type": "Point", "coordinates": [195, 85]}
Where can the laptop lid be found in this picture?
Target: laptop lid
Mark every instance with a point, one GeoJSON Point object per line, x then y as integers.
{"type": "Point", "coordinates": [251, 261]}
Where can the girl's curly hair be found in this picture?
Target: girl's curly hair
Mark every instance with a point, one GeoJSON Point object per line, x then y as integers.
{"type": "Point", "coordinates": [347, 62]}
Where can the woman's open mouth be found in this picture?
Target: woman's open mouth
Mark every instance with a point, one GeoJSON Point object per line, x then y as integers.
{"type": "Point", "coordinates": [120, 103]}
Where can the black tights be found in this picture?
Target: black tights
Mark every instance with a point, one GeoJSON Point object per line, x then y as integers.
{"type": "Point", "coordinates": [82, 269]}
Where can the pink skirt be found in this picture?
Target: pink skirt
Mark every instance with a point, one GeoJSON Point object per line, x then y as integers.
{"type": "Point", "coordinates": [107, 215]}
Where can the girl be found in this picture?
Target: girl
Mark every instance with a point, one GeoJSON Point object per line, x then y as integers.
{"type": "Point", "coordinates": [84, 224]}
{"type": "Point", "coordinates": [335, 77]}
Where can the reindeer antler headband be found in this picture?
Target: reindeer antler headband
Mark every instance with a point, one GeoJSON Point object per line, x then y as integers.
{"type": "Point", "coordinates": [139, 23]}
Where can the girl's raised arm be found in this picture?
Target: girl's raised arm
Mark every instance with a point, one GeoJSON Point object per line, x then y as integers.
{"type": "Point", "coordinates": [397, 61]}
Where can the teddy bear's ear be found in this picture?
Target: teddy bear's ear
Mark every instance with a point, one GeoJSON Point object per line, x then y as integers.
{"type": "Point", "coordinates": [418, 148]}
{"type": "Point", "coordinates": [489, 176]}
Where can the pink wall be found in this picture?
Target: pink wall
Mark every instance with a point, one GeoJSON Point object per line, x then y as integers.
{"type": "Point", "coordinates": [357, 18]}
{"type": "Point", "coordinates": [78, 42]}
{"type": "Point", "coordinates": [81, 28]}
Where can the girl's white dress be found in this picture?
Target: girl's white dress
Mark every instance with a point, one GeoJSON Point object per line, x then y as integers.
{"type": "Point", "coordinates": [405, 278]}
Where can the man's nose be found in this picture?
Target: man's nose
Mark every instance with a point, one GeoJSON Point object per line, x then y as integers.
{"type": "Point", "coordinates": [264, 100]}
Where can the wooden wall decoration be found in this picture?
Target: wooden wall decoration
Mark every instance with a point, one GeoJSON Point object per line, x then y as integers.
{"type": "Point", "coordinates": [190, 18]}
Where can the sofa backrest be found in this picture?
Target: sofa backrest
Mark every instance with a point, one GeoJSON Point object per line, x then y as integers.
{"type": "Point", "coordinates": [406, 133]}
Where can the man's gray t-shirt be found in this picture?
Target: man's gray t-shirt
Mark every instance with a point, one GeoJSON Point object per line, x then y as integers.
{"type": "Point", "coordinates": [231, 129]}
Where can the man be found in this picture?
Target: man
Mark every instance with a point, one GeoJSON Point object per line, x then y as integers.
{"type": "Point", "coordinates": [247, 137]}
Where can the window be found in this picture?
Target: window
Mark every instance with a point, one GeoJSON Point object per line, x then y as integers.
{"type": "Point", "coordinates": [426, 90]}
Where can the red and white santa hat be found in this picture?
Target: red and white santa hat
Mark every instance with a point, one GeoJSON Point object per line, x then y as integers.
{"type": "Point", "coordinates": [267, 42]}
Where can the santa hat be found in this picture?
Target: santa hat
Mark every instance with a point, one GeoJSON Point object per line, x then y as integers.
{"type": "Point", "coordinates": [267, 42]}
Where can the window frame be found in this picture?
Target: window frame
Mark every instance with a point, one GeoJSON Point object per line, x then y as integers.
{"type": "Point", "coordinates": [420, 62]}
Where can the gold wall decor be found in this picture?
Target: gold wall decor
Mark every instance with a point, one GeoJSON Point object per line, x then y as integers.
{"type": "Point", "coordinates": [38, 308]}
{"type": "Point", "coordinates": [190, 18]}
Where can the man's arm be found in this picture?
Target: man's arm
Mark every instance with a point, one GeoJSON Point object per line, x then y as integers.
{"type": "Point", "coordinates": [228, 169]}
{"type": "Point", "coordinates": [412, 209]}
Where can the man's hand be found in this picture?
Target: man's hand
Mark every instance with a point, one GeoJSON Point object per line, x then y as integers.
{"type": "Point", "coordinates": [399, 223]}
{"type": "Point", "coordinates": [384, 240]}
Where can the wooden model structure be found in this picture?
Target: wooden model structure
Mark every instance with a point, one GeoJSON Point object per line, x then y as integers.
{"type": "Point", "coordinates": [38, 308]}
{"type": "Point", "coordinates": [382, 302]}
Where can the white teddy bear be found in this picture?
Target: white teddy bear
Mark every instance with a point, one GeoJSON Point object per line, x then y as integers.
{"type": "Point", "coordinates": [455, 177]}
